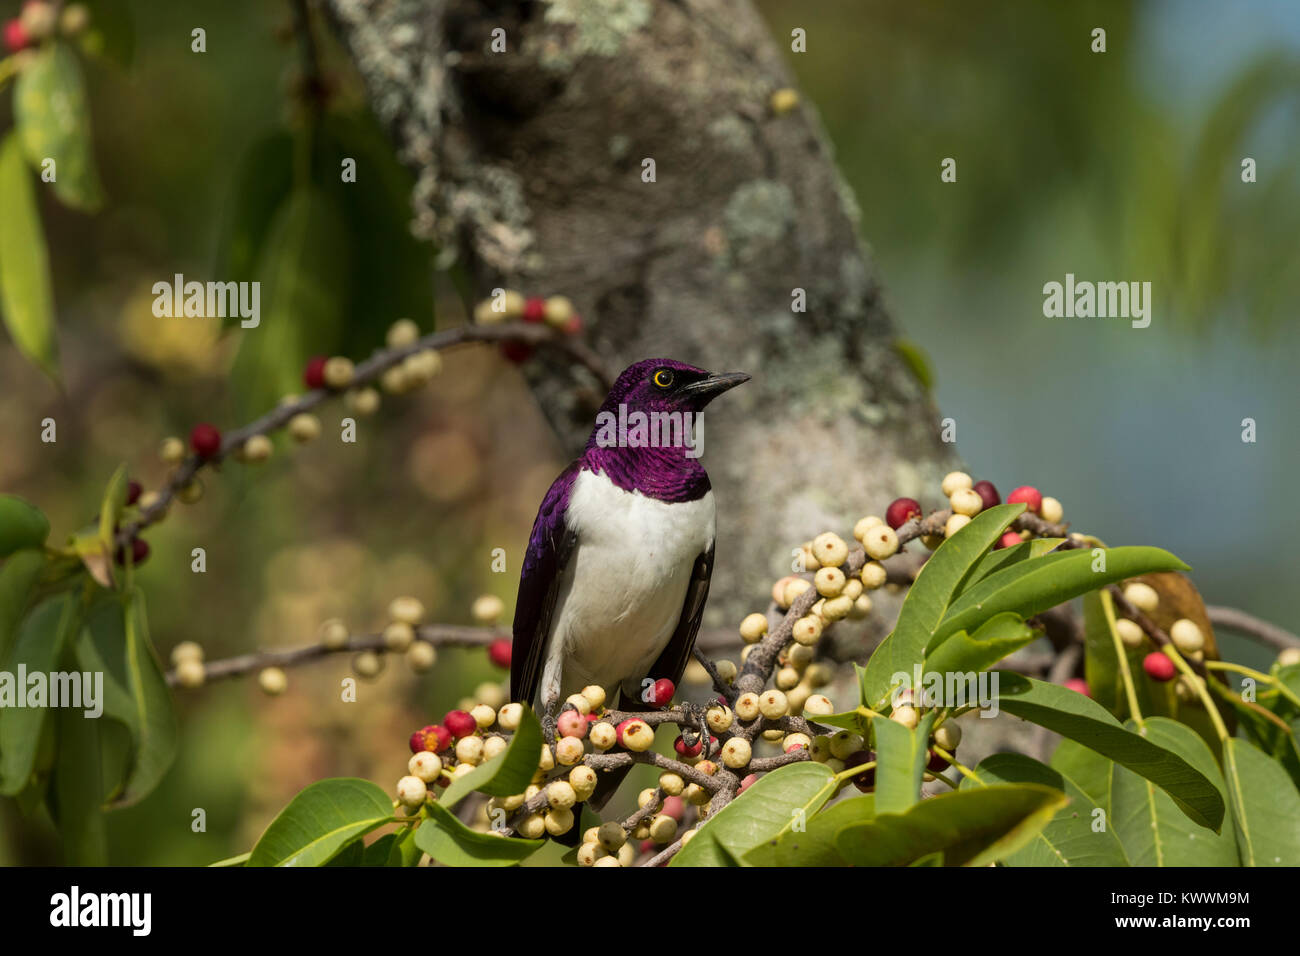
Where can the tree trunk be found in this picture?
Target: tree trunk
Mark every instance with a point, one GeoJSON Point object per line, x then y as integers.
{"type": "Point", "coordinates": [530, 166]}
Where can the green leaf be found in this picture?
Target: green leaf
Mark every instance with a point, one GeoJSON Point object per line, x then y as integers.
{"type": "Point", "coordinates": [402, 851]}
{"type": "Point", "coordinates": [153, 721]}
{"type": "Point", "coordinates": [970, 827]}
{"type": "Point", "coordinates": [1072, 715]}
{"type": "Point", "coordinates": [964, 653]}
{"type": "Point", "coordinates": [1069, 838]}
{"type": "Point", "coordinates": [110, 508]}
{"type": "Point", "coordinates": [1030, 587]}
{"type": "Point", "coordinates": [450, 842]}
{"type": "Point", "coordinates": [18, 577]}
{"type": "Point", "coordinates": [304, 281]}
{"type": "Point", "coordinates": [1265, 806]}
{"type": "Point", "coordinates": [26, 296]}
{"type": "Point", "coordinates": [776, 802]}
{"type": "Point", "coordinates": [39, 647]}
{"type": "Point", "coordinates": [320, 821]}
{"type": "Point", "coordinates": [1006, 557]}
{"type": "Point", "coordinates": [75, 792]}
{"type": "Point", "coordinates": [928, 598]}
{"type": "Point", "coordinates": [900, 762]}
{"type": "Point", "coordinates": [814, 845]}
{"type": "Point", "coordinates": [1153, 830]}
{"type": "Point", "coordinates": [21, 525]}
{"type": "Point", "coordinates": [53, 122]}
{"type": "Point", "coordinates": [509, 772]}
{"type": "Point", "coordinates": [1089, 770]}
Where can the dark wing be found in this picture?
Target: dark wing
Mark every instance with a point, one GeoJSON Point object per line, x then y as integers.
{"type": "Point", "coordinates": [549, 548]}
{"type": "Point", "coordinates": [672, 662]}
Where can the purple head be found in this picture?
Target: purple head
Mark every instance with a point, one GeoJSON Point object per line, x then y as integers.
{"type": "Point", "coordinates": [648, 434]}
{"type": "Point", "coordinates": [664, 385]}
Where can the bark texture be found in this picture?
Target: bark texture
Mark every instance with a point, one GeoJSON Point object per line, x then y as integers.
{"type": "Point", "coordinates": [530, 168]}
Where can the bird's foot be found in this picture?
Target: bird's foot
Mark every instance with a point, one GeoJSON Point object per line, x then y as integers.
{"type": "Point", "coordinates": [697, 721]}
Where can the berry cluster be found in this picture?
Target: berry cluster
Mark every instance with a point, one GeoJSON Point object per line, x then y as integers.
{"type": "Point", "coordinates": [40, 20]}
{"type": "Point", "coordinates": [556, 311]}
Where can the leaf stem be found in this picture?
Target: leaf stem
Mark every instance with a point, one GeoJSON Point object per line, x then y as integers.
{"type": "Point", "coordinates": [1259, 676]}
{"type": "Point", "coordinates": [1201, 690]}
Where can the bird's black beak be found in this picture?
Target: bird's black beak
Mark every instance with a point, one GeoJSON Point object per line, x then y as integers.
{"type": "Point", "coordinates": [714, 385]}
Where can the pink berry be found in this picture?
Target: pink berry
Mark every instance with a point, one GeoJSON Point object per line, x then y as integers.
{"type": "Point", "coordinates": [900, 510]}
{"type": "Point", "coordinates": [572, 724]}
{"type": "Point", "coordinates": [988, 493]}
{"type": "Point", "coordinates": [499, 652]}
{"type": "Point", "coordinates": [574, 325]}
{"type": "Point", "coordinates": [313, 375]}
{"type": "Point", "coordinates": [1009, 539]}
{"type": "Point", "coordinates": [1078, 684]}
{"type": "Point", "coordinates": [748, 782]}
{"type": "Point", "coordinates": [534, 309]}
{"type": "Point", "coordinates": [416, 742]}
{"type": "Point", "coordinates": [205, 440]}
{"type": "Point", "coordinates": [1033, 501]}
{"type": "Point", "coordinates": [459, 723]}
{"type": "Point", "coordinates": [1158, 667]}
{"type": "Point", "coordinates": [661, 694]}
{"type": "Point", "coordinates": [674, 807]}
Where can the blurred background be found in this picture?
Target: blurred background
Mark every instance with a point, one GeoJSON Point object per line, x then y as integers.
{"type": "Point", "coordinates": [1116, 166]}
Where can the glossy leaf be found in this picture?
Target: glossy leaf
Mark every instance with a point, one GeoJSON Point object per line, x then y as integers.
{"type": "Point", "coordinates": [52, 117]}
{"type": "Point", "coordinates": [153, 727]}
{"type": "Point", "coordinates": [1089, 770]}
{"type": "Point", "coordinates": [970, 827]}
{"type": "Point", "coordinates": [320, 821]}
{"type": "Point", "coordinates": [900, 762]}
{"type": "Point", "coordinates": [779, 800]}
{"type": "Point", "coordinates": [815, 844]}
{"type": "Point", "coordinates": [18, 577]}
{"type": "Point", "coordinates": [1265, 806]}
{"type": "Point", "coordinates": [996, 638]}
{"type": "Point", "coordinates": [21, 525]}
{"type": "Point", "coordinates": [1069, 838]}
{"type": "Point", "coordinates": [1031, 587]}
{"type": "Point", "coordinates": [1072, 715]}
{"type": "Point", "coordinates": [1152, 828]}
{"type": "Point", "coordinates": [451, 843]}
{"type": "Point", "coordinates": [26, 294]}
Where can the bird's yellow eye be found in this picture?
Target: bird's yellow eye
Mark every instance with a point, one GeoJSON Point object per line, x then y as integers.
{"type": "Point", "coordinates": [663, 378]}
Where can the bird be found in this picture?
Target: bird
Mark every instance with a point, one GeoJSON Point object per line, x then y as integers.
{"type": "Point", "coordinates": [616, 574]}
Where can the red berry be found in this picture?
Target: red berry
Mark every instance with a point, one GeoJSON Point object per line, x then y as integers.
{"type": "Point", "coordinates": [15, 36]}
{"type": "Point", "coordinates": [1158, 667]}
{"type": "Point", "coordinates": [139, 552]}
{"type": "Point", "coordinates": [438, 737]}
{"type": "Point", "coordinates": [517, 352]}
{"type": "Point", "coordinates": [865, 781]}
{"type": "Point", "coordinates": [748, 782]}
{"type": "Point", "coordinates": [205, 440]}
{"type": "Point", "coordinates": [1027, 494]}
{"type": "Point", "coordinates": [459, 723]}
{"type": "Point", "coordinates": [574, 325]}
{"type": "Point", "coordinates": [988, 493]}
{"type": "Point", "coordinates": [685, 749]}
{"type": "Point", "coordinates": [900, 510]}
{"type": "Point", "coordinates": [133, 491]}
{"type": "Point", "coordinates": [313, 375]}
{"type": "Point", "coordinates": [935, 762]}
{"type": "Point", "coordinates": [661, 695]}
{"type": "Point", "coordinates": [674, 807]}
{"type": "Point", "coordinates": [593, 717]}
{"type": "Point", "coordinates": [499, 652]}
{"type": "Point", "coordinates": [534, 310]}
{"type": "Point", "coordinates": [1078, 684]}
{"type": "Point", "coordinates": [416, 743]}
{"type": "Point", "coordinates": [1009, 539]}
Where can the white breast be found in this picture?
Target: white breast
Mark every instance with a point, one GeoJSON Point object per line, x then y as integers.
{"type": "Point", "coordinates": [622, 593]}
